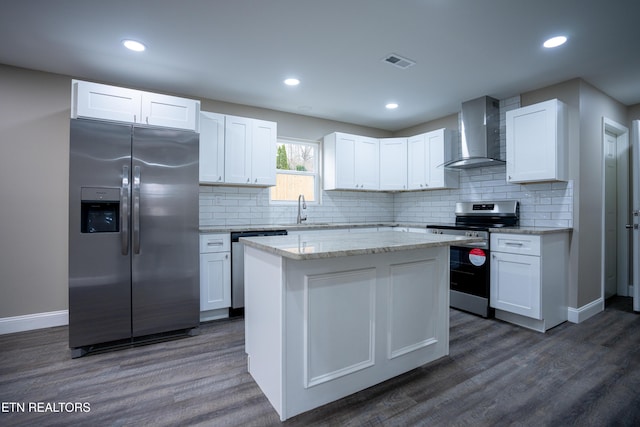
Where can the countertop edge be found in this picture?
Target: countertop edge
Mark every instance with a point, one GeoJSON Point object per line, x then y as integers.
{"type": "Point", "coordinates": [336, 226]}
{"type": "Point", "coordinates": [405, 246]}
{"type": "Point", "coordinates": [531, 230]}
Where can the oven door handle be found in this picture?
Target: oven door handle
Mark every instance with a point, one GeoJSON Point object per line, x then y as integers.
{"type": "Point", "coordinates": [479, 245]}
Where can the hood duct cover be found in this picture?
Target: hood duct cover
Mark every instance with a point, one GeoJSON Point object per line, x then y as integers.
{"type": "Point", "coordinates": [479, 134]}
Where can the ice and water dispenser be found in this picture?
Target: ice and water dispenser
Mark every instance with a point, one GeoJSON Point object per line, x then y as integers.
{"type": "Point", "coordinates": [100, 210]}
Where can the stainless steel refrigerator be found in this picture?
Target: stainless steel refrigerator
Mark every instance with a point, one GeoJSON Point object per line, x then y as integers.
{"type": "Point", "coordinates": [133, 233]}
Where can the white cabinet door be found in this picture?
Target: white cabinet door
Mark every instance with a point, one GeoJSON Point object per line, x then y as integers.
{"type": "Point", "coordinates": [537, 142]}
{"type": "Point", "coordinates": [427, 154]}
{"type": "Point", "coordinates": [417, 162]}
{"type": "Point", "coordinates": [393, 164]}
{"type": "Point", "coordinates": [169, 111]}
{"type": "Point", "coordinates": [98, 101]}
{"type": "Point", "coordinates": [263, 157]}
{"type": "Point", "coordinates": [516, 284]}
{"type": "Point", "coordinates": [215, 281]}
{"type": "Point", "coordinates": [211, 147]}
{"type": "Point", "coordinates": [237, 156]}
{"type": "Point", "coordinates": [367, 163]}
{"type": "Point", "coordinates": [345, 158]}
{"type": "Point", "coordinates": [250, 151]}
{"type": "Point", "coordinates": [351, 162]}
{"type": "Point", "coordinates": [435, 159]}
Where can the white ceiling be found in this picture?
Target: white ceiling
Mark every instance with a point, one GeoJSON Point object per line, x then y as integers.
{"type": "Point", "coordinates": [240, 51]}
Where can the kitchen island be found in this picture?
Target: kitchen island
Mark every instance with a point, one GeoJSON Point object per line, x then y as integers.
{"type": "Point", "coordinates": [331, 314]}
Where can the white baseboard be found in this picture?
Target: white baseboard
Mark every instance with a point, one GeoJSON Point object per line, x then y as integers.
{"type": "Point", "coordinates": [577, 315]}
{"type": "Point", "coordinates": [9, 325]}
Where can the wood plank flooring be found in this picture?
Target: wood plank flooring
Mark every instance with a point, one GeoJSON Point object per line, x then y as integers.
{"type": "Point", "coordinates": [496, 374]}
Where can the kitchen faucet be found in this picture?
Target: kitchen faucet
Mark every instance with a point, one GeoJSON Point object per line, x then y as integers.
{"type": "Point", "coordinates": [301, 216]}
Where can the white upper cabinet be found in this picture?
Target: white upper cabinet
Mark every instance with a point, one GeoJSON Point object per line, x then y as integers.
{"type": "Point", "coordinates": [169, 111]}
{"type": "Point", "coordinates": [237, 156]}
{"type": "Point", "coordinates": [263, 158]}
{"type": "Point", "coordinates": [94, 100]}
{"type": "Point", "coordinates": [427, 154]}
{"type": "Point", "coordinates": [367, 163]}
{"type": "Point", "coordinates": [211, 147]}
{"type": "Point", "coordinates": [393, 164]}
{"type": "Point", "coordinates": [351, 162]}
{"type": "Point", "coordinates": [104, 102]}
{"type": "Point", "coordinates": [250, 151]}
{"type": "Point", "coordinates": [537, 143]}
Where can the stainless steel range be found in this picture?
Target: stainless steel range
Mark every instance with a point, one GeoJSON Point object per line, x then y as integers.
{"type": "Point", "coordinates": [469, 263]}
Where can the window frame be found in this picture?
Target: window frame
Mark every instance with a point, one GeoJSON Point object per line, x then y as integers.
{"type": "Point", "coordinates": [317, 174]}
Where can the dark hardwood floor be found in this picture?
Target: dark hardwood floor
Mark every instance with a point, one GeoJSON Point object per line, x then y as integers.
{"type": "Point", "coordinates": [496, 374]}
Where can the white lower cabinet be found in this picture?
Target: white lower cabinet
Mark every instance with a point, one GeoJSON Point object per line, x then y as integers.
{"type": "Point", "coordinates": [529, 276]}
{"type": "Point", "coordinates": [215, 273]}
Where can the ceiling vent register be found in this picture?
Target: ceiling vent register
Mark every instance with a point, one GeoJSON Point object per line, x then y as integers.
{"type": "Point", "coordinates": [398, 61]}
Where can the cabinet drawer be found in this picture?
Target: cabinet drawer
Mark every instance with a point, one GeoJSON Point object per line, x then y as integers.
{"type": "Point", "coordinates": [515, 243]}
{"type": "Point", "coordinates": [220, 242]}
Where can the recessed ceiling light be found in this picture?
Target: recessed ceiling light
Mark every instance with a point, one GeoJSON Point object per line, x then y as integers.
{"type": "Point", "coordinates": [292, 82]}
{"type": "Point", "coordinates": [554, 42]}
{"type": "Point", "coordinates": [391, 106]}
{"type": "Point", "coordinates": [134, 45]}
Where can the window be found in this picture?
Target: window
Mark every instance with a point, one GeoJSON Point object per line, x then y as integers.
{"type": "Point", "coordinates": [296, 171]}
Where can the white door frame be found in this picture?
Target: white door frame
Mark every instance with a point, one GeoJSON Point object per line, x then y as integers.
{"type": "Point", "coordinates": [622, 143]}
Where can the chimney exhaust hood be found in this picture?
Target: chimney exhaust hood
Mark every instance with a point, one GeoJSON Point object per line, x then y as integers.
{"type": "Point", "coordinates": [479, 134]}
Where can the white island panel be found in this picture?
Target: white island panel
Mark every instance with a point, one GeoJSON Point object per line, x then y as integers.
{"type": "Point", "coordinates": [411, 324]}
{"type": "Point", "coordinates": [328, 324]}
{"type": "Point", "coordinates": [263, 323]}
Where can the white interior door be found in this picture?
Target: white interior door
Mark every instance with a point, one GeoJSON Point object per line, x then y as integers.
{"type": "Point", "coordinates": [635, 149]}
{"type": "Point", "coordinates": [611, 215]}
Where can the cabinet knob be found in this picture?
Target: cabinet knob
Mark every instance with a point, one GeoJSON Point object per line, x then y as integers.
{"type": "Point", "coordinates": [248, 180]}
{"type": "Point", "coordinates": [256, 181]}
{"type": "Point", "coordinates": [220, 178]}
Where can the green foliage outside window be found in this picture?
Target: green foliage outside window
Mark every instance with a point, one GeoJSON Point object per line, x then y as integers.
{"type": "Point", "coordinates": [281, 160]}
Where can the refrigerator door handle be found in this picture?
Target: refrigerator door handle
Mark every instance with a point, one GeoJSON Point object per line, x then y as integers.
{"type": "Point", "coordinates": [124, 211]}
{"type": "Point", "coordinates": [136, 210]}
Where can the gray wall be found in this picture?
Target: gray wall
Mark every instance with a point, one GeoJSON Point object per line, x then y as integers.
{"type": "Point", "coordinates": [634, 112]}
{"type": "Point", "coordinates": [34, 163]}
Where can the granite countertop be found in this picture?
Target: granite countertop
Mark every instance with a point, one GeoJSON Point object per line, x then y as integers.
{"type": "Point", "coordinates": [339, 244]}
{"type": "Point", "coordinates": [294, 227]}
{"type": "Point", "coordinates": [333, 226]}
{"type": "Point", "coordinates": [531, 230]}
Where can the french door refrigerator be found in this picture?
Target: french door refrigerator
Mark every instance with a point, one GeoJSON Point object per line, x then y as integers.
{"type": "Point", "coordinates": [133, 234]}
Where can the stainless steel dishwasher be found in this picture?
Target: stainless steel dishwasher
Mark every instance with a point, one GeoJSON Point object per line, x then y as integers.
{"type": "Point", "coordinates": [237, 265]}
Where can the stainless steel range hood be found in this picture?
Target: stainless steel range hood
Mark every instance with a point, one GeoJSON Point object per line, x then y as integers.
{"type": "Point", "coordinates": [479, 134]}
